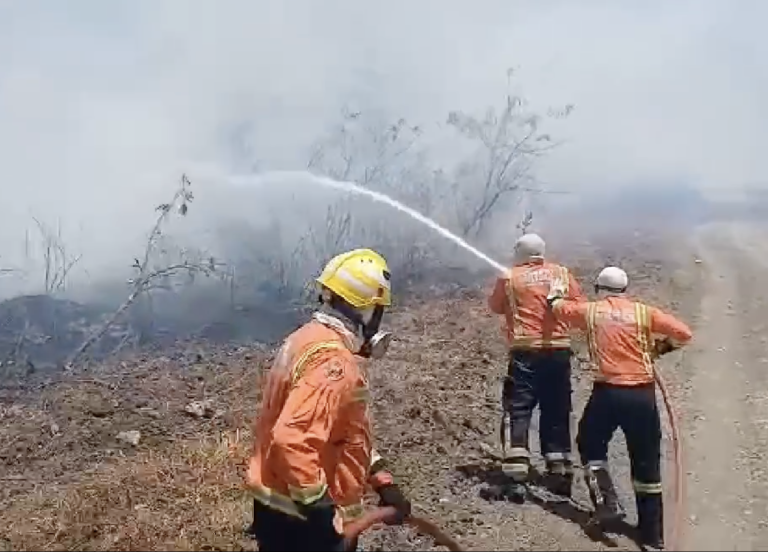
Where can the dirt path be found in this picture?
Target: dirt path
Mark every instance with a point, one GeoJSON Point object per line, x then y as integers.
{"type": "Point", "coordinates": [727, 410]}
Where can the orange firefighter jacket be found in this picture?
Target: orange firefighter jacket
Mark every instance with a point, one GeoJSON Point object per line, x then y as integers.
{"type": "Point", "coordinates": [621, 336]}
{"type": "Point", "coordinates": [521, 297]}
{"type": "Point", "coordinates": [313, 431]}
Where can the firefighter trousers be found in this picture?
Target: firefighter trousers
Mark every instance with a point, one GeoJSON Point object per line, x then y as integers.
{"type": "Point", "coordinates": [539, 377]}
{"type": "Point", "coordinates": [276, 531]}
{"type": "Point", "coordinates": [633, 409]}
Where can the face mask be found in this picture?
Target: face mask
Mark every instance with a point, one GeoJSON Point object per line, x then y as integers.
{"type": "Point", "coordinates": [376, 347]}
{"type": "Point", "coordinates": [375, 342]}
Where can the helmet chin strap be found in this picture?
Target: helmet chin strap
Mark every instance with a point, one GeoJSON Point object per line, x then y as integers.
{"type": "Point", "coordinates": [375, 343]}
{"type": "Point", "coordinates": [371, 326]}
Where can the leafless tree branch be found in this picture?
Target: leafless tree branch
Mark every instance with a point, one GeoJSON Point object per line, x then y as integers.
{"type": "Point", "coordinates": [512, 140]}
{"type": "Point", "coordinates": [148, 278]}
{"type": "Point", "coordinates": [57, 263]}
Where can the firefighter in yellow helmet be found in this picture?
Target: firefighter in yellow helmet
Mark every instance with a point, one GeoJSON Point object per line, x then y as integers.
{"type": "Point", "coordinates": [313, 458]}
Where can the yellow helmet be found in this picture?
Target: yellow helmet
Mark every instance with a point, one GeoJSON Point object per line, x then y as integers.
{"type": "Point", "coordinates": [360, 277]}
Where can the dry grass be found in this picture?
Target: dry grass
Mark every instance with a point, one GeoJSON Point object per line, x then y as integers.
{"type": "Point", "coordinates": [68, 484]}
{"type": "Point", "coordinates": [188, 496]}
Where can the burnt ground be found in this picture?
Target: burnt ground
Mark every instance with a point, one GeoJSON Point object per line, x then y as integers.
{"type": "Point", "coordinates": [69, 482]}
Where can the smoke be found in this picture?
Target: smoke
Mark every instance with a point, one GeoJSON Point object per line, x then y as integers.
{"type": "Point", "coordinates": [104, 105]}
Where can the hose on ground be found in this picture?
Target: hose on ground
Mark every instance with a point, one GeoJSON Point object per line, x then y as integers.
{"type": "Point", "coordinates": [674, 531]}
{"type": "Point", "coordinates": [355, 528]}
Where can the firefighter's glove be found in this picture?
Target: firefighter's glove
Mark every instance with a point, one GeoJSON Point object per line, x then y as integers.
{"type": "Point", "coordinates": [557, 291]}
{"type": "Point", "coordinates": [663, 346]}
{"type": "Point", "coordinates": [320, 515]}
{"type": "Point", "coordinates": [391, 495]}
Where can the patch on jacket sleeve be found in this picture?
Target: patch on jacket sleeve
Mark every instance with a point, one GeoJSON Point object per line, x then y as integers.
{"type": "Point", "coordinates": [334, 370]}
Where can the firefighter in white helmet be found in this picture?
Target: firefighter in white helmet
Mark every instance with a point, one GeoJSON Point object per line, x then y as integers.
{"type": "Point", "coordinates": [313, 459]}
{"type": "Point", "coordinates": [539, 370]}
{"type": "Point", "coordinates": [624, 337]}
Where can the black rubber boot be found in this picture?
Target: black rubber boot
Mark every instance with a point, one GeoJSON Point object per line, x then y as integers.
{"type": "Point", "coordinates": [608, 509]}
{"type": "Point", "coordinates": [516, 492]}
{"type": "Point", "coordinates": [250, 531]}
{"type": "Point", "coordinates": [558, 478]}
{"type": "Point", "coordinates": [517, 469]}
{"type": "Point", "coordinates": [650, 520]}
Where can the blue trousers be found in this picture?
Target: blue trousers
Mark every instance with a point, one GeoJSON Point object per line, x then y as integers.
{"type": "Point", "coordinates": [539, 377]}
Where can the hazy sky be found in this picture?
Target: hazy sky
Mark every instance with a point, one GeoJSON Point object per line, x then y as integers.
{"type": "Point", "coordinates": [103, 104]}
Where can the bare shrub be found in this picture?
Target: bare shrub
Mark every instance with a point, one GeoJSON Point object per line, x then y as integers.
{"type": "Point", "coordinates": [150, 274]}
{"type": "Point", "coordinates": [387, 157]}
{"type": "Point", "coordinates": [510, 140]}
{"type": "Point", "coordinates": [57, 261]}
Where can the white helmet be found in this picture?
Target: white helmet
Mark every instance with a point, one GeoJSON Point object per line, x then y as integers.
{"type": "Point", "coordinates": [612, 278]}
{"type": "Point", "coordinates": [529, 246]}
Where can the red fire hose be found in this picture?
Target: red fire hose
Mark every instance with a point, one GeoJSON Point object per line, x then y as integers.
{"type": "Point", "coordinates": [355, 528]}
{"type": "Point", "coordinates": [674, 530]}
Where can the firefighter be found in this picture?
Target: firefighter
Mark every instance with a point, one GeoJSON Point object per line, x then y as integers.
{"type": "Point", "coordinates": [539, 366]}
{"type": "Point", "coordinates": [313, 458]}
{"type": "Point", "coordinates": [624, 336]}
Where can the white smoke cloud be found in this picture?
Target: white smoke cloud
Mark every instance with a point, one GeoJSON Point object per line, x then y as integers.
{"type": "Point", "coordinates": [103, 105]}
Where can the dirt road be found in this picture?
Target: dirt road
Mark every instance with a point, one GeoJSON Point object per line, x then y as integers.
{"type": "Point", "coordinates": [726, 410]}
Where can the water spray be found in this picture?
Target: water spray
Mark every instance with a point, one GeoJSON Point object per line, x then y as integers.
{"type": "Point", "coordinates": [674, 530]}
{"type": "Point", "coordinates": [288, 177]}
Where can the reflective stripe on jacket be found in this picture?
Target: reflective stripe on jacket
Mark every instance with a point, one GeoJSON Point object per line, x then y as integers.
{"type": "Point", "coordinates": [522, 298]}
{"type": "Point", "coordinates": [313, 432]}
{"type": "Point", "coordinates": [621, 335]}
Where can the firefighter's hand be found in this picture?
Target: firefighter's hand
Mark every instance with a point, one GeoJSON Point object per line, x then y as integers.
{"type": "Point", "coordinates": [320, 517]}
{"type": "Point", "coordinates": [663, 346]}
{"type": "Point", "coordinates": [556, 290]}
{"type": "Point", "coordinates": [391, 495]}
